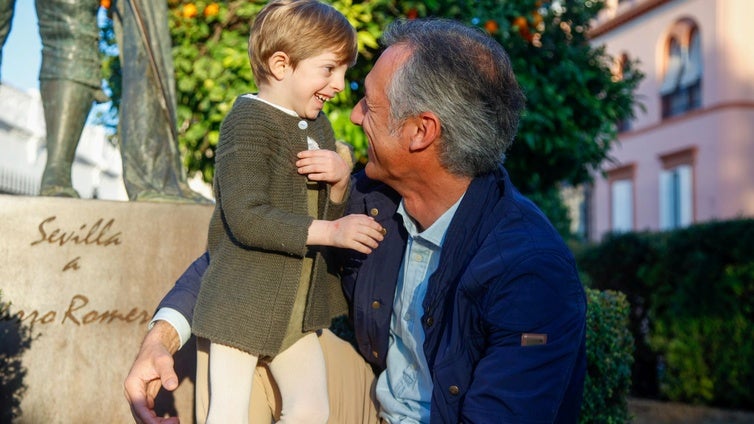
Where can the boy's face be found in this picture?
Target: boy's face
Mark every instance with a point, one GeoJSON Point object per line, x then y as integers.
{"type": "Point", "coordinates": [314, 81]}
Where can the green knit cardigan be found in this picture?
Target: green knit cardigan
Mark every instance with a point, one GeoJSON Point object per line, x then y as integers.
{"type": "Point", "coordinates": [257, 233]}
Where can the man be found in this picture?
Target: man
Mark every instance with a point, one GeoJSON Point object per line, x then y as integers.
{"type": "Point", "coordinates": [471, 309]}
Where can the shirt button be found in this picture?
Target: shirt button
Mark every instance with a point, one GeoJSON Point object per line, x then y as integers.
{"type": "Point", "coordinates": [376, 304]}
{"type": "Point", "coordinates": [418, 257]}
{"type": "Point", "coordinates": [429, 321]}
{"type": "Point", "coordinates": [303, 125]}
{"type": "Point", "coordinates": [374, 211]}
{"type": "Point", "coordinates": [454, 390]}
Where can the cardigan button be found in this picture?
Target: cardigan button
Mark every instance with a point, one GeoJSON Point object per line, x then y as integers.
{"type": "Point", "coordinates": [374, 211]}
{"type": "Point", "coordinates": [303, 125]}
{"type": "Point", "coordinates": [383, 231]}
{"type": "Point", "coordinates": [376, 304]}
{"type": "Point", "coordinates": [375, 354]}
{"type": "Point", "coordinates": [454, 390]}
{"type": "Point", "coordinates": [429, 321]}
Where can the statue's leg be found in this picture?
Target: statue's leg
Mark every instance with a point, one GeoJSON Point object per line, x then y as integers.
{"type": "Point", "coordinates": [69, 79]}
{"type": "Point", "coordinates": [66, 106]}
{"type": "Point", "coordinates": [6, 18]}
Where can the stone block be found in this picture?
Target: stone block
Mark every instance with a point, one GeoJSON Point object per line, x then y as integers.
{"type": "Point", "coordinates": [86, 275]}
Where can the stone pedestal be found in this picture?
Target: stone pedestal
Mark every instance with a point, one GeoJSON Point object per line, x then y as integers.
{"type": "Point", "coordinates": [86, 276]}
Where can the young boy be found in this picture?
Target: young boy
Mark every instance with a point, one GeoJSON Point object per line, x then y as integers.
{"type": "Point", "coordinates": [280, 190]}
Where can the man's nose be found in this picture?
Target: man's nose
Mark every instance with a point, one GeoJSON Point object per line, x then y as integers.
{"type": "Point", "coordinates": [357, 114]}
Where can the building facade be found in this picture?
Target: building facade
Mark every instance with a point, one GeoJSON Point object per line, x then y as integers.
{"type": "Point", "coordinates": [686, 156]}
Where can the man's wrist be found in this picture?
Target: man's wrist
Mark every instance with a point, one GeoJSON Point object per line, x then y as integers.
{"type": "Point", "coordinates": [165, 334]}
{"type": "Point", "coordinates": [175, 320]}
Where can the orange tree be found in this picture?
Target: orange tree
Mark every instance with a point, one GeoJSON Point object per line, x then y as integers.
{"type": "Point", "coordinates": [574, 99]}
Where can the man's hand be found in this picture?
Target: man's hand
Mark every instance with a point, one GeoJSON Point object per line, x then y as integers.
{"type": "Point", "coordinates": [152, 368]}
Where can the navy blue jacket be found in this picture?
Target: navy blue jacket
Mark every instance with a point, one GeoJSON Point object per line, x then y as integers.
{"type": "Point", "coordinates": [505, 277]}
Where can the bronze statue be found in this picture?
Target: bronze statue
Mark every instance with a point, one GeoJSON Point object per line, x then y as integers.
{"type": "Point", "coordinates": [152, 167]}
{"type": "Point", "coordinates": [70, 82]}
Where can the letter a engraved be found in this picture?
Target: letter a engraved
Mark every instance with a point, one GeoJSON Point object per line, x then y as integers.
{"type": "Point", "coordinates": [74, 264]}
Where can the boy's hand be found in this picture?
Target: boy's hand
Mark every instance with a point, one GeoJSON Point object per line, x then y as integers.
{"type": "Point", "coordinates": [328, 166]}
{"type": "Point", "coordinates": [323, 165]}
{"type": "Point", "coordinates": [358, 232]}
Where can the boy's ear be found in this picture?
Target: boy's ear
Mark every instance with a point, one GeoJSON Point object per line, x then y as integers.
{"type": "Point", "coordinates": [279, 64]}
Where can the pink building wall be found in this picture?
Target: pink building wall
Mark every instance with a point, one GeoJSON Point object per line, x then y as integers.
{"type": "Point", "coordinates": [721, 131]}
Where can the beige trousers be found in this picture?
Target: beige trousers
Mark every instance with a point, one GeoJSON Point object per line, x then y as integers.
{"type": "Point", "coordinates": [350, 385]}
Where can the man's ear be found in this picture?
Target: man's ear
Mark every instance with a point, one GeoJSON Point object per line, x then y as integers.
{"type": "Point", "coordinates": [279, 64]}
{"type": "Point", "coordinates": [425, 129]}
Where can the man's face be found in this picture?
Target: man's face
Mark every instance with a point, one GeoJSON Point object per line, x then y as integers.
{"type": "Point", "coordinates": [387, 150]}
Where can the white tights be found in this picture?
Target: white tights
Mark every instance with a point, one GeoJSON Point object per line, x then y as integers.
{"type": "Point", "coordinates": [299, 372]}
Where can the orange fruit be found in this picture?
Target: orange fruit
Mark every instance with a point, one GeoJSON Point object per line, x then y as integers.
{"type": "Point", "coordinates": [537, 18]}
{"type": "Point", "coordinates": [189, 10]}
{"type": "Point", "coordinates": [491, 26]}
{"type": "Point", "coordinates": [523, 28]}
{"type": "Point", "coordinates": [520, 22]}
{"type": "Point", "coordinates": [211, 10]}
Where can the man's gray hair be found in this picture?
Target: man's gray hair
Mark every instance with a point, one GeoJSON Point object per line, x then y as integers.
{"type": "Point", "coordinates": [465, 78]}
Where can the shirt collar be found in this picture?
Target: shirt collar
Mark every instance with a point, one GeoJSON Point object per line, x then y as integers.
{"type": "Point", "coordinates": [278, 107]}
{"type": "Point", "coordinates": [436, 232]}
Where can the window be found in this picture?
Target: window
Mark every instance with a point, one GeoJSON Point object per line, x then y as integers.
{"type": "Point", "coordinates": [622, 199]}
{"type": "Point", "coordinates": [681, 89]}
{"type": "Point", "coordinates": [621, 183]}
{"type": "Point", "coordinates": [677, 190]}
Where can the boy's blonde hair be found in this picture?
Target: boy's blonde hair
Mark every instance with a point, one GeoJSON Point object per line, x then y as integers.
{"type": "Point", "coordinates": [301, 29]}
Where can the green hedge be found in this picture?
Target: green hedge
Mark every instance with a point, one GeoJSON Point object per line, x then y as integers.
{"type": "Point", "coordinates": [621, 263]}
{"type": "Point", "coordinates": [692, 308]}
{"type": "Point", "coordinates": [609, 348]}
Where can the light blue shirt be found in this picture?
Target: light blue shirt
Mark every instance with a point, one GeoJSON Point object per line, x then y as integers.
{"type": "Point", "coordinates": [404, 389]}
